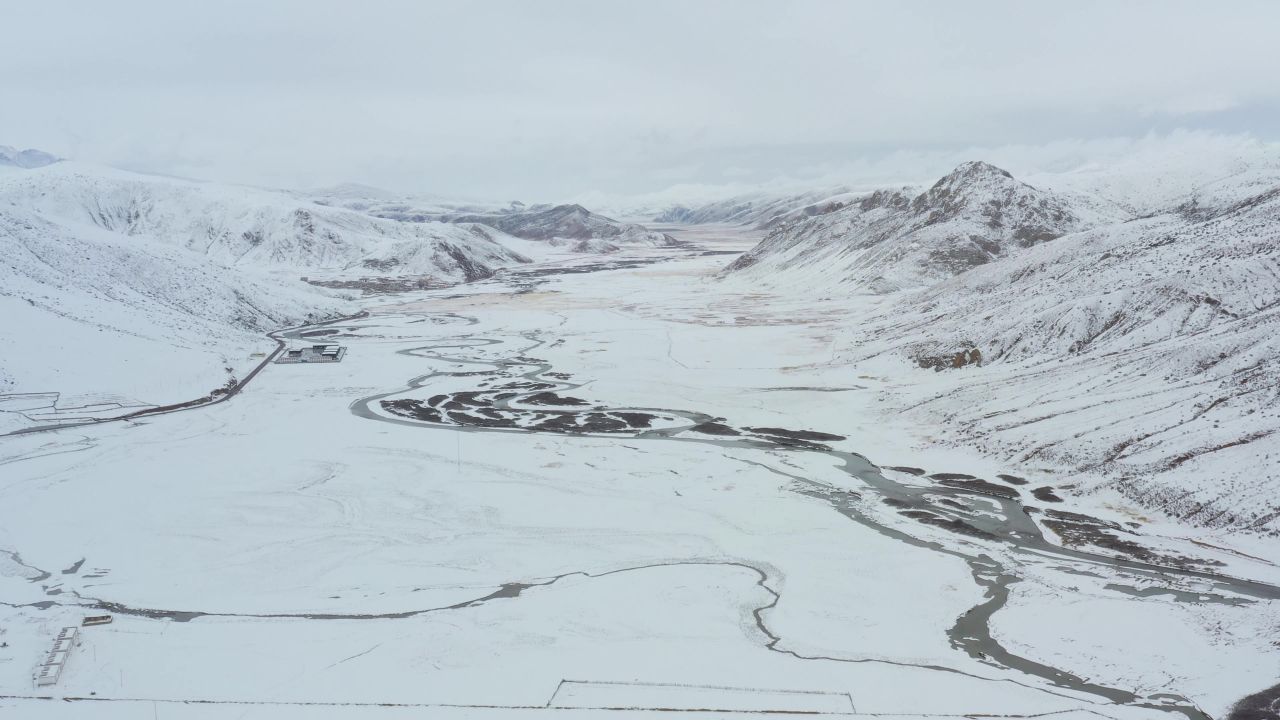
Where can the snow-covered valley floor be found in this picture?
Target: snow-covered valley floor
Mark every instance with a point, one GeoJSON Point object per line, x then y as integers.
{"type": "Point", "coordinates": [607, 488]}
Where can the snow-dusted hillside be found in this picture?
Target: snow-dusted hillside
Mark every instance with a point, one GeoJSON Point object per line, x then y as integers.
{"type": "Point", "coordinates": [1118, 330]}
{"type": "Point", "coordinates": [1144, 352]}
{"type": "Point", "coordinates": [249, 227]}
{"type": "Point", "coordinates": [97, 323]}
{"type": "Point", "coordinates": [122, 290]}
{"type": "Point", "coordinates": [1134, 354]}
{"type": "Point", "coordinates": [13, 157]}
{"type": "Point", "coordinates": [573, 228]}
{"type": "Point", "coordinates": [762, 210]}
{"type": "Point", "coordinates": [571, 225]}
{"type": "Point", "coordinates": [892, 239]}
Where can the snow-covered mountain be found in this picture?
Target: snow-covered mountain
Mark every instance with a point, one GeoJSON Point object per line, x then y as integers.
{"type": "Point", "coordinates": [572, 225]}
{"type": "Point", "coordinates": [1142, 351]}
{"type": "Point", "coordinates": [121, 290]}
{"type": "Point", "coordinates": [1076, 331]}
{"type": "Point", "coordinates": [890, 239]}
{"type": "Point", "coordinates": [13, 157]}
{"type": "Point", "coordinates": [761, 210]}
{"type": "Point", "coordinates": [96, 322]}
{"type": "Point", "coordinates": [256, 228]}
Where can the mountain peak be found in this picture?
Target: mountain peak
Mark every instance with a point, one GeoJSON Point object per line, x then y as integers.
{"type": "Point", "coordinates": [973, 170]}
{"type": "Point", "coordinates": [973, 182]}
{"type": "Point", "coordinates": [29, 158]}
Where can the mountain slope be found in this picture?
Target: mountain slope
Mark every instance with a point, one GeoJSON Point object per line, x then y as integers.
{"type": "Point", "coordinates": [238, 226]}
{"type": "Point", "coordinates": [762, 210]}
{"type": "Point", "coordinates": [1143, 353]}
{"type": "Point", "coordinates": [100, 319]}
{"type": "Point", "coordinates": [889, 239]}
{"type": "Point", "coordinates": [573, 225]}
{"type": "Point", "coordinates": [13, 157]}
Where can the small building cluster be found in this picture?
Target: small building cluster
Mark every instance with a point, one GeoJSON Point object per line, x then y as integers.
{"type": "Point", "coordinates": [51, 668]}
{"type": "Point", "coordinates": [313, 354]}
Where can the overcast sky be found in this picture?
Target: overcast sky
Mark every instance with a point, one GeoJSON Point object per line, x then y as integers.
{"type": "Point", "coordinates": [547, 100]}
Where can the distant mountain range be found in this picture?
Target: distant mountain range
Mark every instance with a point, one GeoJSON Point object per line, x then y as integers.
{"type": "Point", "coordinates": [572, 227]}
{"type": "Point", "coordinates": [12, 157]}
{"type": "Point", "coordinates": [760, 210]}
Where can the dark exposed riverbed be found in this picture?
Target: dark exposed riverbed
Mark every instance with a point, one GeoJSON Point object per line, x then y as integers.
{"type": "Point", "coordinates": [519, 393]}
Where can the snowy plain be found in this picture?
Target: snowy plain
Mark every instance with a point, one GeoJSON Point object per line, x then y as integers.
{"type": "Point", "coordinates": [314, 549]}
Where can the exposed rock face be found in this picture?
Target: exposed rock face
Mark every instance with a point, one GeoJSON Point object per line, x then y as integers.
{"type": "Point", "coordinates": [891, 239]}
{"type": "Point", "coordinates": [1141, 351]}
{"type": "Point", "coordinates": [958, 359]}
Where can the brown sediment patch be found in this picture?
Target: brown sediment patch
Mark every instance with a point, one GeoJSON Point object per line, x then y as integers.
{"type": "Point", "coordinates": [381, 285]}
{"type": "Point", "coordinates": [1012, 479]}
{"type": "Point", "coordinates": [1259, 706]}
{"type": "Point", "coordinates": [483, 419]}
{"type": "Point", "coordinates": [524, 385]}
{"type": "Point", "coordinates": [952, 476]}
{"type": "Point", "coordinates": [952, 524]}
{"type": "Point", "coordinates": [550, 398]}
{"type": "Point", "coordinates": [811, 435]}
{"type": "Point", "coordinates": [413, 409]}
{"type": "Point", "coordinates": [636, 419]}
{"type": "Point", "coordinates": [1080, 518]}
{"type": "Point", "coordinates": [905, 469]}
{"type": "Point", "coordinates": [1046, 494]}
{"type": "Point", "coordinates": [715, 428]}
{"type": "Point", "coordinates": [1076, 529]}
{"type": "Point", "coordinates": [983, 487]}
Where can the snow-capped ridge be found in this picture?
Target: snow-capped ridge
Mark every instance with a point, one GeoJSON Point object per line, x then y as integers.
{"type": "Point", "coordinates": [262, 229]}
{"type": "Point", "coordinates": [889, 239]}
{"type": "Point", "coordinates": [26, 159]}
{"type": "Point", "coordinates": [570, 224]}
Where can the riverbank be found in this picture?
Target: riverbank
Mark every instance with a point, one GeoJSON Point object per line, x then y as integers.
{"type": "Point", "coordinates": [310, 552]}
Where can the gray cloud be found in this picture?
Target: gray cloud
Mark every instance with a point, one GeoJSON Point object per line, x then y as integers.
{"type": "Point", "coordinates": [553, 99]}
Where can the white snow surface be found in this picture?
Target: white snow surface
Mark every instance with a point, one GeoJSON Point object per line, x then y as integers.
{"type": "Point", "coordinates": [337, 541]}
{"type": "Point", "coordinates": [378, 566]}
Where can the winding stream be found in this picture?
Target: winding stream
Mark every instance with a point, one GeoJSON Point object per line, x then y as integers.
{"type": "Point", "coordinates": [983, 525]}
{"type": "Point", "coordinates": [522, 394]}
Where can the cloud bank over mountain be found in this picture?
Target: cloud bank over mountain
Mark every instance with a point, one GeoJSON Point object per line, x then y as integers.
{"type": "Point", "coordinates": [510, 100]}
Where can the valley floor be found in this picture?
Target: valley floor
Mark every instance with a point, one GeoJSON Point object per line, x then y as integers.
{"type": "Point", "coordinates": [605, 488]}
